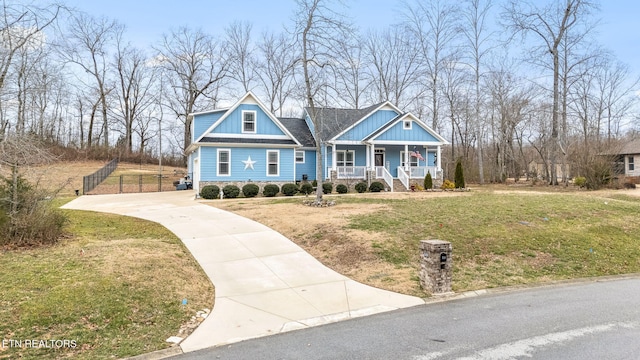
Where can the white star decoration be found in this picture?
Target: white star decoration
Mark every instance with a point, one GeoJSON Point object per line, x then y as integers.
{"type": "Point", "coordinates": [248, 164]}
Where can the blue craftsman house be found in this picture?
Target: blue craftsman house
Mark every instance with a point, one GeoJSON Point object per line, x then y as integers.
{"type": "Point", "coordinates": [247, 144]}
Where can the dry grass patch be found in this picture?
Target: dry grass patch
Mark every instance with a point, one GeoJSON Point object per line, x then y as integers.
{"type": "Point", "coordinates": [499, 237]}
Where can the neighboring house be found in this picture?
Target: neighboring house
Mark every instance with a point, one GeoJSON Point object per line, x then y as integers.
{"type": "Point", "coordinates": [629, 155]}
{"type": "Point", "coordinates": [247, 144]}
{"type": "Point", "coordinates": [539, 170]}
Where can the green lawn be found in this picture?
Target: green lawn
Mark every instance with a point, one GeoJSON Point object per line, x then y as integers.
{"type": "Point", "coordinates": [509, 239]}
{"type": "Point", "coordinates": [115, 287]}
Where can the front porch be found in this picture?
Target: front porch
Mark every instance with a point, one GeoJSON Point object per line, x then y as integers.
{"type": "Point", "coordinates": [386, 162]}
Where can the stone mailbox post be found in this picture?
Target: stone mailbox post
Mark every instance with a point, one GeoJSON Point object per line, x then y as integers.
{"type": "Point", "coordinates": [436, 266]}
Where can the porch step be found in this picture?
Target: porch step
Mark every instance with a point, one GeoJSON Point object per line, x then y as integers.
{"type": "Point", "coordinates": [398, 187]}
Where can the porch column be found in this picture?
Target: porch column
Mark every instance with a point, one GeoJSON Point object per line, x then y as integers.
{"type": "Point", "coordinates": [439, 160]}
{"type": "Point", "coordinates": [334, 161]}
{"type": "Point", "coordinates": [406, 157]}
{"type": "Point", "coordinates": [368, 153]}
{"type": "Point", "coordinates": [373, 156]}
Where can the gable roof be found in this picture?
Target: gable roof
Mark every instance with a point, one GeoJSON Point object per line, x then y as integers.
{"type": "Point", "coordinates": [336, 121]}
{"type": "Point", "coordinates": [235, 106]}
{"type": "Point", "coordinates": [632, 147]}
{"type": "Point", "coordinates": [298, 127]}
{"type": "Point", "coordinates": [400, 118]}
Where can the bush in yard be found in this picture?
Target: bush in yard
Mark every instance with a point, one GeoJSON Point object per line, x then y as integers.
{"type": "Point", "coordinates": [327, 187]}
{"type": "Point", "coordinates": [289, 189]}
{"type": "Point", "coordinates": [448, 185]}
{"type": "Point", "coordinates": [314, 183]}
{"type": "Point", "coordinates": [210, 192]}
{"type": "Point", "coordinates": [376, 186]}
{"type": "Point", "coordinates": [342, 189]}
{"type": "Point", "coordinates": [459, 175]}
{"type": "Point", "coordinates": [580, 181]}
{"type": "Point", "coordinates": [428, 181]}
{"type": "Point", "coordinates": [361, 187]}
{"type": "Point", "coordinates": [26, 218]}
{"type": "Point", "coordinates": [231, 191]}
{"type": "Point", "coordinates": [306, 188]}
{"type": "Point", "coordinates": [270, 190]}
{"type": "Point", "coordinates": [250, 190]}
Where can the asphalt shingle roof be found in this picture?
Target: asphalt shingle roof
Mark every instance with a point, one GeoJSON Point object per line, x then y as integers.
{"type": "Point", "coordinates": [299, 129]}
{"type": "Point", "coordinates": [632, 147]}
{"type": "Point", "coordinates": [335, 121]}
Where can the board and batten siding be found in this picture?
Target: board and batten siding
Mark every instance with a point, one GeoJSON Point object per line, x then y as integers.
{"type": "Point", "coordinates": [370, 124]}
{"type": "Point", "coordinates": [232, 124]}
{"type": "Point", "coordinates": [398, 133]}
{"type": "Point", "coordinates": [202, 122]}
{"type": "Point", "coordinates": [209, 163]}
{"type": "Point", "coordinates": [308, 167]}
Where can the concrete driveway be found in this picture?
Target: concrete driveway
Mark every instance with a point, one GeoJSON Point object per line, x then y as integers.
{"type": "Point", "coordinates": [265, 284]}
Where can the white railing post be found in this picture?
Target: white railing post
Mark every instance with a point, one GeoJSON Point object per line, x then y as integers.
{"type": "Point", "coordinates": [403, 177]}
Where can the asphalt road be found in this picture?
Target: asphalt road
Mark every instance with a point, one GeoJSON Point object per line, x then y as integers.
{"type": "Point", "coordinates": [590, 320]}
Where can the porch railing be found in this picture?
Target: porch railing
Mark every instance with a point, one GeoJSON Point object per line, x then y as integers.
{"type": "Point", "coordinates": [351, 172]}
{"type": "Point", "coordinates": [403, 177]}
{"type": "Point", "coordinates": [419, 172]}
{"type": "Point", "coordinates": [383, 173]}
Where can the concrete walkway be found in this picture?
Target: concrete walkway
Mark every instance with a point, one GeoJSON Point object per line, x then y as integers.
{"type": "Point", "coordinates": [264, 283]}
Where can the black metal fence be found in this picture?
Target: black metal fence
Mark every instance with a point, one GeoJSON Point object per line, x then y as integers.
{"type": "Point", "coordinates": [90, 182]}
{"type": "Point", "coordinates": [139, 183]}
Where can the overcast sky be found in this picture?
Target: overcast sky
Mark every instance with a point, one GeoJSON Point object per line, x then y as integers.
{"type": "Point", "coordinates": [146, 20]}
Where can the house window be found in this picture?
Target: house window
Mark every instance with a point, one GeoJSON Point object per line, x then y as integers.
{"type": "Point", "coordinates": [345, 158]}
{"type": "Point", "coordinates": [413, 161]}
{"type": "Point", "coordinates": [406, 125]}
{"type": "Point", "coordinates": [248, 121]}
{"type": "Point", "coordinates": [299, 157]}
{"type": "Point", "coordinates": [224, 162]}
{"type": "Point", "coordinates": [273, 163]}
{"type": "Point", "coordinates": [631, 164]}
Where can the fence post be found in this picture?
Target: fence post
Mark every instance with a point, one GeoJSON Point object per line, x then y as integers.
{"type": "Point", "coordinates": [121, 180]}
{"type": "Point", "coordinates": [140, 182]}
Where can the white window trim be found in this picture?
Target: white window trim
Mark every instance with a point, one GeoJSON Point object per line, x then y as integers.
{"type": "Point", "coordinates": [255, 121]}
{"type": "Point", "coordinates": [218, 162]}
{"type": "Point", "coordinates": [411, 162]}
{"type": "Point", "coordinates": [345, 157]}
{"type": "Point", "coordinates": [295, 155]}
{"type": "Point", "coordinates": [404, 124]}
{"type": "Point", "coordinates": [278, 162]}
{"type": "Point", "coordinates": [631, 162]}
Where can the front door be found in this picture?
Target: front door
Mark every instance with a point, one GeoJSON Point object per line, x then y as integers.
{"type": "Point", "coordinates": [379, 159]}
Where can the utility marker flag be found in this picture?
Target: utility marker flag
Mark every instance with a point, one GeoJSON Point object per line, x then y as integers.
{"type": "Point", "coordinates": [416, 154]}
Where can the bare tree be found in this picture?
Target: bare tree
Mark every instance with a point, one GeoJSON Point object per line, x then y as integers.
{"type": "Point", "coordinates": [510, 101]}
{"type": "Point", "coordinates": [318, 28]}
{"type": "Point", "coordinates": [477, 37]}
{"type": "Point", "coordinates": [20, 24]}
{"type": "Point", "coordinates": [350, 83]}
{"type": "Point", "coordinates": [21, 28]}
{"type": "Point", "coordinates": [87, 45]}
{"type": "Point", "coordinates": [194, 68]}
{"type": "Point", "coordinates": [135, 80]}
{"type": "Point", "coordinates": [434, 27]}
{"type": "Point", "coordinates": [394, 65]}
{"type": "Point", "coordinates": [276, 69]}
{"type": "Point", "coordinates": [240, 54]}
{"type": "Point", "coordinates": [550, 25]}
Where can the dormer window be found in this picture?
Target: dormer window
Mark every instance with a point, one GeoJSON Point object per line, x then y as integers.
{"type": "Point", "coordinates": [249, 122]}
{"type": "Point", "coordinates": [406, 125]}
